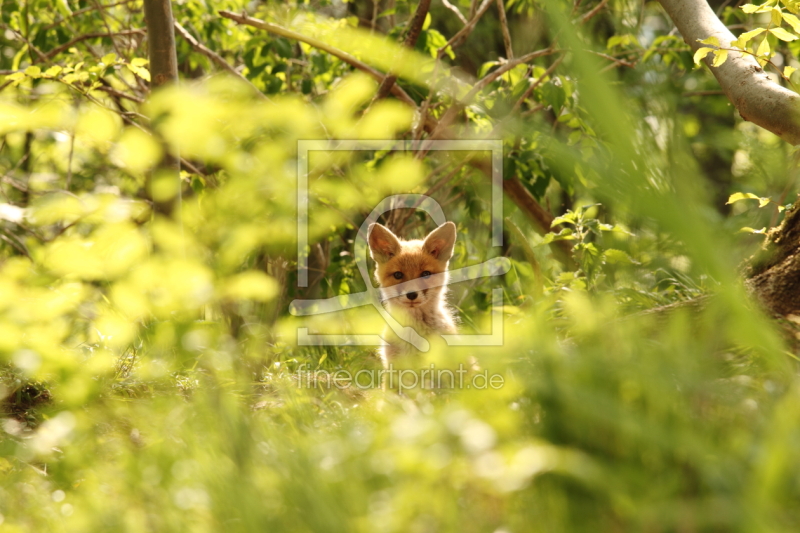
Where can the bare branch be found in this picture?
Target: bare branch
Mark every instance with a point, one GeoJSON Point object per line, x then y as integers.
{"type": "Point", "coordinates": [66, 46]}
{"type": "Point", "coordinates": [414, 27]}
{"type": "Point", "coordinates": [119, 94]}
{"type": "Point", "coordinates": [450, 114]}
{"type": "Point", "coordinates": [397, 91]}
{"type": "Point", "coordinates": [216, 58]}
{"type": "Point", "coordinates": [756, 97]}
{"type": "Point", "coordinates": [501, 12]}
{"type": "Point", "coordinates": [462, 34]}
{"type": "Point", "coordinates": [588, 16]}
{"type": "Point", "coordinates": [455, 10]}
{"type": "Point", "coordinates": [535, 84]}
{"type": "Point", "coordinates": [22, 38]}
{"type": "Point", "coordinates": [82, 11]}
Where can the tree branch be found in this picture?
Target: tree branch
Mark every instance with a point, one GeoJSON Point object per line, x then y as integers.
{"type": "Point", "coordinates": [397, 91]}
{"type": "Point", "coordinates": [501, 13]}
{"type": "Point", "coordinates": [214, 57]}
{"type": "Point", "coordinates": [163, 71]}
{"type": "Point", "coordinates": [462, 34]}
{"type": "Point", "coordinates": [414, 27]}
{"type": "Point", "coordinates": [757, 98]}
{"type": "Point", "coordinates": [66, 46]}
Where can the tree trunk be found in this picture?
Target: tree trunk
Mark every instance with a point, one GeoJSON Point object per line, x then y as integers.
{"type": "Point", "coordinates": [163, 71]}
{"type": "Point", "coordinates": [756, 97]}
{"type": "Point", "coordinates": [773, 275]}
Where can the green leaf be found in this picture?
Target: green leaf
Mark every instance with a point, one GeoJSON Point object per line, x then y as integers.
{"type": "Point", "coordinates": [701, 54]}
{"type": "Point", "coordinates": [713, 41]}
{"type": "Point", "coordinates": [763, 49]}
{"type": "Point", "coordinates": [752, 8]}
{"type": "Point", "coordinates": [775, 17]}
{"type": "Point", "coordinates": [746, 36]}
{"type": "Point", "coordinates": [569, 218]}
{"type": "Point", "coordinates": [783, 35]}
{"type": "Point", "coordinates": [788, 71]}
{"type": "Point", "coordinates": [109, 59]}
{"type": "Point", "coordinates": [427, 23]}
{"type": "Point", "coordinates": [719, 57]}
{"type": "Point", "coordinates": [618, 257]}
{"type": "Point", "coordinates": [793, 21]}
{"type": "Point", "coordinates": [735, 197]}
{"type": "Point", "coordinates": [33, 71]}
{"type": "Point", "coordinates": [52, 72]}
{"type": "Point", "coordinates": [139, 61]}
{"type": "Point", "coordinates": [139, 71]}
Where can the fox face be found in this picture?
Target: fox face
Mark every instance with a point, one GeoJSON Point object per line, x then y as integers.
{"type": "Point", "coordinates": [412, 274]}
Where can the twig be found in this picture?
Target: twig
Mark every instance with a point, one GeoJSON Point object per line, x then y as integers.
{"type": "Point", "coordinates": [535, 84]}
{"type": "Point", "coordinates": [397, 91]}
{"type": "Point", "coordinates": [450, 114]}
{"type": "Point", "coordinates": [191, 168]}
{"type": "Point", "coordinates": [432, 189]}
{"type": "Point", "coordinates": [455, 10]}
{"type": "Point", "coordinates": [585, 18]}
{"type": "Point", "coordinates": [216, 58]}
{"type": "Point", "coordinates": [69, 160]}
{"type": "Point", "coordinates": [473, 8]}
{"type": "Point", "coordinates": [464, 32]}
{"type": "Point", "coordinates": [414, 27]}
{"type": "Point", "coordinates": [501, 12]}
{"type": "Point", "coordinates": [24, 39]}
{"type": "Point", "coordinates": [66, 46]}
{"type": "Point", "coordinates": [82, 11]}
{"type": "Point", "coordinates": [118, 94]}
{"type": "Point", "coordinates": [108, 28]}
{"type": "Point", "coordinates": [616, 60]}
{"type": "Point", "coordinates": [16, 242]}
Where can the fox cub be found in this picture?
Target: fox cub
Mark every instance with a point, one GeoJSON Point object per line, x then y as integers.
{"type": "Point", "coordinates": [420, 305]}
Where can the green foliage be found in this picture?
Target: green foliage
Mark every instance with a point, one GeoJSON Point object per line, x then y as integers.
{"type": "Point", "coordinates": [780, 12]}
{"type": "Point", "coordinates": [150, 370]}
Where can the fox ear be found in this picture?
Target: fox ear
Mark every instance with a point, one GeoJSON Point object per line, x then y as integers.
{"type": "Point", "coordinates": [439, 243]}
{"type": "Point", "coordinates": [383, 244]}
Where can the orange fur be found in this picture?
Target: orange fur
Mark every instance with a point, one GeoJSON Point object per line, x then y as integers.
{"type": "Point", "coordinates": [421, 306]}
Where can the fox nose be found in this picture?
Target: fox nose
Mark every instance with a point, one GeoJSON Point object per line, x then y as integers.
{"type": "Point", "coordinates": [412, 295]}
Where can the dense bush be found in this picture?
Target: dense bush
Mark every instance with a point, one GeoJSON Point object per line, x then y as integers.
{"type": "Point", "coordinates": [151, 372]}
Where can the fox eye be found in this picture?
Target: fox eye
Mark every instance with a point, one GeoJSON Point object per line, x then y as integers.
{"type": "Point", "coordinates": [426, 274]}
{"type": "Point", "coordinates": [398, 275]}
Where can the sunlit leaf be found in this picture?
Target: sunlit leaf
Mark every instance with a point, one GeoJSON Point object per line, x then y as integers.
{"type": "Point", "coordinates": [783, 35]}
{"type": "Point", "coordinates": [701, 53]}
{"type": "Point", "coordinates": [746, 36]}
{"type": "Point", "coordinates": [735, 197]}
{"type": "Point", "coordinates": [714, 41]}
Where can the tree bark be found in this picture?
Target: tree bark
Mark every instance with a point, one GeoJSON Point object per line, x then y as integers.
{"type": "Point", "coordinates": [163, 71]}
{"type": "Point", "coordinates": [773, 275]}
{"type": "Point", "coordinates": [161, 42]}
{"type": "Point", "coordinates": [757, 98]}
